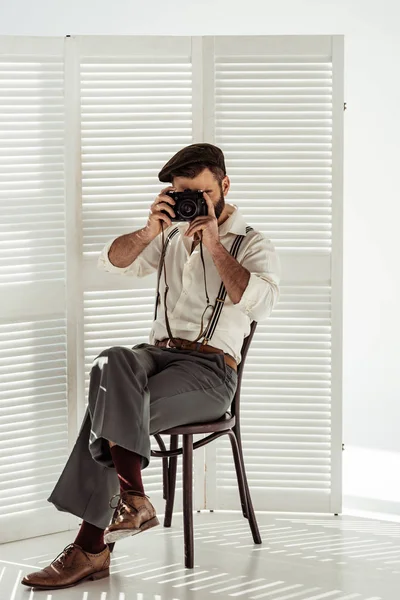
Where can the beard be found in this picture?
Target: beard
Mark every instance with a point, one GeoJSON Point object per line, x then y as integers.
{"type": "Point", "coordinates": [219, 207]}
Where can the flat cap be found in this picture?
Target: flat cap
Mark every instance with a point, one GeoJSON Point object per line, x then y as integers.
{"type": "Point", "coordinates": [195, 153]}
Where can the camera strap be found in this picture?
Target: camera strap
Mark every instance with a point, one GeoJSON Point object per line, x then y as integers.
{"type": "Point", "coordinates": [165, 243]}
{"type": "Point", "coordinates": [208, 332]}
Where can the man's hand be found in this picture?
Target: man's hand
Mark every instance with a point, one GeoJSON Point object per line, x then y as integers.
{"type": "Point", "coordinates": [207, 224]}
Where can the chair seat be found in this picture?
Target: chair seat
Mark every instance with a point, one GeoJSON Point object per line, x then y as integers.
{"type": "Point", "coordinates": [225, 422]}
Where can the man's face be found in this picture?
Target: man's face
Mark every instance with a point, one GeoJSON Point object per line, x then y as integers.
{"type": "Point", "coordinates": [206, 182]}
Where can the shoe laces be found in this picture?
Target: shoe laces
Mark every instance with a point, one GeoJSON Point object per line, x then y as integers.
{"type": "Point", "coordinates": [120, 507]}
{"type": "Point", "coordinates": [63, 555]}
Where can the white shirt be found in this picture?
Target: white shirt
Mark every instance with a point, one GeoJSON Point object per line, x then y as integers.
{"type": "Point", "coordinates": [186, 299]}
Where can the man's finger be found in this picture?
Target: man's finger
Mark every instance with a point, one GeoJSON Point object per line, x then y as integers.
{"type": "Point", "coordinates": [191, 230]}
{"type": "Point", "coordinates": [190, 233]}
{"type": "Point", "coordinates": [197, 222]}
{"type": "Point", "coordinates": [210, 204]}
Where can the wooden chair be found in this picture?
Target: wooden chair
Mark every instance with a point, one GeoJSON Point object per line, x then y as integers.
{"type": "Point", "coordinates": [229, 425]}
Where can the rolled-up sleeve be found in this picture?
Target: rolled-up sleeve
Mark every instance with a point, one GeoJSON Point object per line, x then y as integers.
{"type": "Point", "coordinates": [144, 264]}
{"type": "Point", "coordinates": [262, 292]}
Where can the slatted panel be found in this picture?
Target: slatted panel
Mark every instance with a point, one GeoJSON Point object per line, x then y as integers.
{"type": "Point", "coordinates": [33, 438]}
{"type": "Point", "coordinates": [33, 422]}
{"type": "Point", "coordinates": [32, 236]}
{"type": "Point", "coordinates": [274, 121]}
{"type": "Point", "coordinates": [135, 115]}
{"type": "Point", "coordinates": [286, 405]}
{"type": "Point", "coordinates": [33, 380]}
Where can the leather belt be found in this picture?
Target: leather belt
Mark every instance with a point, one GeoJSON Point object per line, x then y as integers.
{"type": "Point", "coordinates": [188, 345]}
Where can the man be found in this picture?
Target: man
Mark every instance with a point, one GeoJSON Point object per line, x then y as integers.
{"type": "Point", "coordinates": [170, 381]}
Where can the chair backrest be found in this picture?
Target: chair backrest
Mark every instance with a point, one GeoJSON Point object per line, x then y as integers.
{"type": "Point", "coordinates": [235, 406]}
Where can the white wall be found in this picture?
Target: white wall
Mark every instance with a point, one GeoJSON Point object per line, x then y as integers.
{"type": "Point", "coordinates": [372, 165]}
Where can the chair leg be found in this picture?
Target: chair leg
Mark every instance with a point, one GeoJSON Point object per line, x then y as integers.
{"type": "Point", "coordinates": [187, 464]}
{"type": "Point", "coordinates": [173, 461]}
{"type": "Point", "coordinates": [162, 447]}
{"type": "Point", "coordinates": [244, 486]}
{"type": "Point", "coordinates": [165, 477]}
{"type": "Point", "coordinates": [239, 474]}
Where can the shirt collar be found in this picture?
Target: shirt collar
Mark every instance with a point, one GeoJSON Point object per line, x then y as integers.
{"type": "Point", "coordinates": [235, 223]}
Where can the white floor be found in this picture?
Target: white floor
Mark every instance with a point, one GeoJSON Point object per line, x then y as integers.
{"type": "Point", "coordinates": [301, 558]}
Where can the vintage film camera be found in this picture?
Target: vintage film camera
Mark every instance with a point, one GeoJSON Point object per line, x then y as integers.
{"type": "Point", "coordinates": [189, 204]}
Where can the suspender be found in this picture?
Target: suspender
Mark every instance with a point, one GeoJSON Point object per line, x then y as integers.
{"type": "Point", "coordinates": [219, 303]}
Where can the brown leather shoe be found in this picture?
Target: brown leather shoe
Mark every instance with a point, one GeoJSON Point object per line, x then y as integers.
{"type": "Point", "coordinates": [70, 567]}
{"type": "Point", "coordinates": [132, 515]}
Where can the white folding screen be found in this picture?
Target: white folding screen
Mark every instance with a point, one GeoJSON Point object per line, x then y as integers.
{"type": "Point", "coordinates": [136, 111]}
{"type": "Point", "coordinates": [33, 327]}
{"type": "Point", "coordinates": [275, 106]}
{"type": "Point", "coordinates": [278, 115]}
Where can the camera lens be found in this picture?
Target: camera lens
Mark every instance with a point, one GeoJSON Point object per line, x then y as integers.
{"type": "Point", "coordinates": [188, 209]}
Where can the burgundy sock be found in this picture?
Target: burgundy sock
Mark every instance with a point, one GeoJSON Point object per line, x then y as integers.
{"type": "Point", "coordinates": [128, 467]}
{"type": "Point", "coordinates": [90, 538]}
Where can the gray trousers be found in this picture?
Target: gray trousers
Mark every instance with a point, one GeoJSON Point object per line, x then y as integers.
{"type": "Point", "coordinates": [133, 394]}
